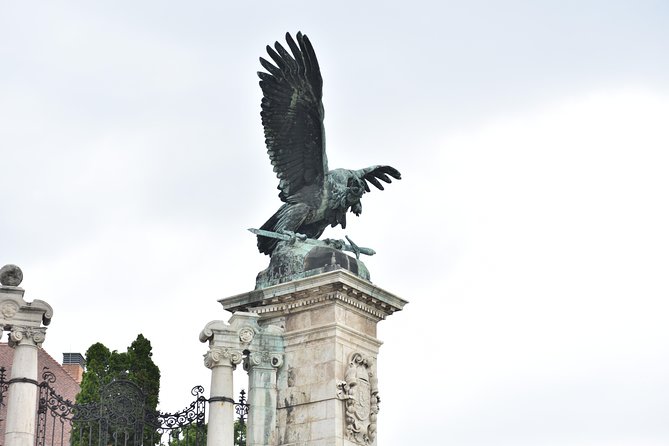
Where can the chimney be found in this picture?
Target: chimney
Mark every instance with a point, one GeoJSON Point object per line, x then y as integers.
{"type": "Point", "coordinates": [73, 364]}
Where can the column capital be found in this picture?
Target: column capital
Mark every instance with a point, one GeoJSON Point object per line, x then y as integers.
{"type": "Point", "coordinates": [242, 334]}
{"type": "Point", "coordinates": [237, 333]}
{"type": "Point", "coordinates": [264, 359]}
{"type": "Point", "coordinates": [222, 356]}
{"type": "Point", "coordinates": [24, 335]}
{"type": "Point", "coordinates": [267, 350]}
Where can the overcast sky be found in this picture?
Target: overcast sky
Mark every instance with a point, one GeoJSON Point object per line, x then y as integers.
{"type": "Point", "coordinates": [529, 231]}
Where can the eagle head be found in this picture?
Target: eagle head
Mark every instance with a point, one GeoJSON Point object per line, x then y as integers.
{"type": "Point", "coordinates": [354, 189]}
{"type": "Point", "coordinates": [346, 190]}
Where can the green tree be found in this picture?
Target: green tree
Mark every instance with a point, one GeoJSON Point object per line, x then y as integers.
{"type": "Point", "coordinates": [104, 366]}
{"type": "Point", "coordinates": [191, 435]}
{"type": "Point", "coordinates": [143, 371]}
{"type": "Point", "coordinates": [239, 433]}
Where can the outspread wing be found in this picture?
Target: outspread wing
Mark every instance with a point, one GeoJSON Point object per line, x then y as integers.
{"type": "Point", "coordinates": [292, 115]}
{"type": "Point", "coordinates": [375, 173]}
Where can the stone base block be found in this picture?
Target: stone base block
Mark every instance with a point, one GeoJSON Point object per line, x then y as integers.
{"type": "Point", "coordinates": [327, 386]}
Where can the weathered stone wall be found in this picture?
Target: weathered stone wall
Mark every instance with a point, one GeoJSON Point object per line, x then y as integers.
{"type": "Point", "coordinates": [327, 385]}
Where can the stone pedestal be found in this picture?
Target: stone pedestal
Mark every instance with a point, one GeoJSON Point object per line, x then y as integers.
{"type": "Point", "coordinates": [327, 388]}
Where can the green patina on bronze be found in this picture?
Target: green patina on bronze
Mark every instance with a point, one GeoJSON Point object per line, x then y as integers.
{"type": "Point", "coordinates": [297, 259]}
{"type": "Point", "coordinates": [314, 197]}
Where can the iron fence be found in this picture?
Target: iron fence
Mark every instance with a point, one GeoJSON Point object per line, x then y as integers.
{"type": "Point", "coordinates": [4, 386]}
{"type": "Point", "coordinates": [120, 418]}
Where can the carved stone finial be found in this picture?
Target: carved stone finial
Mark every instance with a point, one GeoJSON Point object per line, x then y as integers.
{"type": "Point", "coordinates": [11, 275]}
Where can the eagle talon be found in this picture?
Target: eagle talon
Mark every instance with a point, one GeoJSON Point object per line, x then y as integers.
{"type": "Point", "coordinates": [294, 236]}
{"type": "Point", "coordinates": [290, 237]}
{"type": "Point", "coordinates": [336, 244]}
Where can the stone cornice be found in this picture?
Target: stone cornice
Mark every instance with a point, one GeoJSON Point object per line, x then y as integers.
{"type": "Point", "coordinates": [331, 329]}
{"type": "Point", "coordinates": [335, 285]}
{"type": "Point", "coordinates": [14, 310]}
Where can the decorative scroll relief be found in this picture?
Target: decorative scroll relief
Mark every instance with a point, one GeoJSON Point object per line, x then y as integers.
{"type": "Point", "coordinates": [264, 359]}
{"type": "Point", "coordinates": [26, 335]}
{"type": "Point", "coordinates": [219, 355]}
{"type": "Point", "coordinates": [361, 395]}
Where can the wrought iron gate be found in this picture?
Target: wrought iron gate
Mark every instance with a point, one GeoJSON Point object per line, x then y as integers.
{"type": "Point", "coordinates": [120, 418]}
{"type": "Point", "coordinates": [4, 386]}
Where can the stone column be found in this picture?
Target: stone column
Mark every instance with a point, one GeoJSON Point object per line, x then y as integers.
{"type": "Point", "coordinates": [24, 321]}
{"type": "Point", "coordinates": [327, 389]}
{"type": "Point", "coordinates": [22, 394]}
{"type": "Point", "coordinates": [263, 361]}
{"type": "Point", "coordinates": [263, 348]}
{"type": "Point", "coordinates": [227, 345]}
{"type": "Point", "coordinates": [222, 361]}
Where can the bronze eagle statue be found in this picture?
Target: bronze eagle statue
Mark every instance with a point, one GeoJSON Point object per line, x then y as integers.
{"type": "Point", "coordinates": [292, 116]}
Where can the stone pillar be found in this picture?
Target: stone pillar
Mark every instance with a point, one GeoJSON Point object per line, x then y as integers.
{"type": "Point", "coordinates": [327, 388]}
{"type": "Point", "coordinates": [24, 322]}
{"type": "Point", "coordinates": [222, 361]}
{"type": "Point", "coordinates": [263, 348]}
{"type": "Point", "coordinates": [265, 357]}
{"type": "Point", "coordinates": [22, 395]}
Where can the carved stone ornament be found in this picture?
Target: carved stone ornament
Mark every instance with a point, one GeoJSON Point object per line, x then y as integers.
{"type": "Point", "coordinates": [26, 335]}
{"type": "Point", "coordinates": [9, 309]}
{"type": "Point", "coordinates": [216, 355]}
{"type": "Point", "coordinates": [246, 335]}
{"type": "Point", "coordinates": [361, 395]}
{"type": "Point", "coordinates": [264, 358]}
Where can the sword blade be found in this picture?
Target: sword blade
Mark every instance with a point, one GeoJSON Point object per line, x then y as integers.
{"type": "Point", "coordinates": [279, 236]}
{"type": "Point", "coordinates": [269, 234]}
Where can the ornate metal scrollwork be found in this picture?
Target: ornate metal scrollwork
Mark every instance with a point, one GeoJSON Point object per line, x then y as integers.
{"type": "Point", "coordinates": [193, 414]}
{"type": "Point", "coordinates": [242, 407]}
{"type": "Point", "coordinates": [4, 385]}
{"type": "Point", "coordinates": [50, 402]}
{"type": "Point", "coordinates": [120, 417]}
